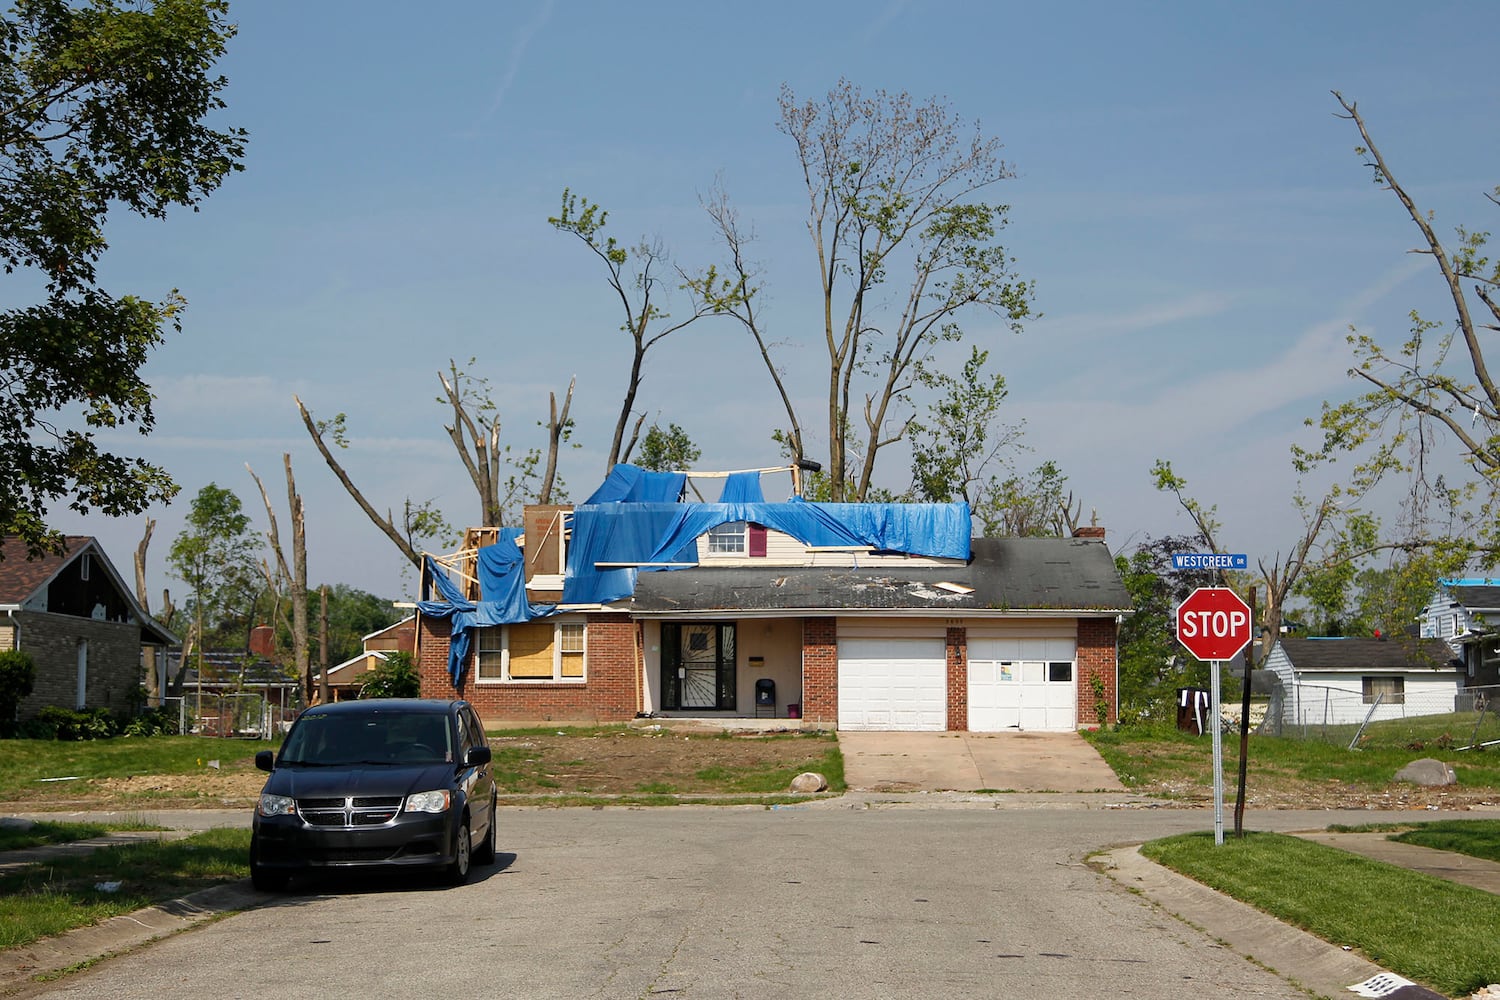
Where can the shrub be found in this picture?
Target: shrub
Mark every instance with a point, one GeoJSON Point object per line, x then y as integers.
{"type": "Point", "coordinates": [394, 677]}
{"type": "Point", "coordinates": [55, 723]}
{"type": "Point", "coordinates": [158, 721]}
{"type": "Point", "coordinates": [17, 676]}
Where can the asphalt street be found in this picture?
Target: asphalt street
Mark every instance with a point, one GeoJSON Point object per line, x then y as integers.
{"type": "Point", "coordinates": [845, 898]}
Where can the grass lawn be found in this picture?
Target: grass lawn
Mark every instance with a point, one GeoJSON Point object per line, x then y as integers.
{"type": "Point", "coordinates": [59, 894]}
{"type": "Point", "coordinates": [1162, 761]}
{"type": "Point", "coordinates": [26, 765]}
{"type": "Point", "coordinates": [1478, 838]}
{"type": "Point", "coordinates": [1428, 930]}
{"type": "Point", "coordinates": [15, 838]}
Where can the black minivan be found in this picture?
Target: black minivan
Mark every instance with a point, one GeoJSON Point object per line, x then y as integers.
{"type": "Point", "coordinates": [388, 783]}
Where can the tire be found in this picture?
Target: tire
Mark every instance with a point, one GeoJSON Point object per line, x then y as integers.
{"type": "Point", "coordinates": [484, 854]}
{"type": "Point", "coordinates": [457, 873]}
{"type": "Point", "coordinates": [265, 879]}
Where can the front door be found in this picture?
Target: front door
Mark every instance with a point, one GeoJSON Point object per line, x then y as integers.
{"type": "Point", "coordinates": [697, 666]}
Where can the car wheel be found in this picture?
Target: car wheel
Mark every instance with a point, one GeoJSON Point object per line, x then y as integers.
{"type": "Point", "coordinates": [484, 853]}
{"type": "Point", "coordinates": [458, 872]}
{"type": "Point", "coordinates": [263, 878]}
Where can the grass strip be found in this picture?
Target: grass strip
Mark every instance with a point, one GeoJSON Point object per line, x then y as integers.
{"type": "Point", "coordinates": [1478, 838]}
{"type": "Point", "coordinates": [1426, 929]}
{"type": "Point", "coordinates": [60, 894]}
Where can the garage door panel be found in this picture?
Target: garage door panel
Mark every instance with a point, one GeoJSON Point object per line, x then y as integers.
{"type": "Point", "coordinates": [893, 684]}
{"type": "Point", "coordinates": [1028, 694]}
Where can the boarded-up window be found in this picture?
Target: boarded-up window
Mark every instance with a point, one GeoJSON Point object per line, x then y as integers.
{"type": "Point", "coordinates": [531, 650]}
{"type": "Point", "coordinates": [1388, 690]}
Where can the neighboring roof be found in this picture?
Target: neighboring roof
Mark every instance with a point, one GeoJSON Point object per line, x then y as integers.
{"type": "Point", "coordinates": [408, 620]}
{"type": "Point", "coordinates": [1475, 597]}
{"type": "Point", "coordinates": [1014, 575]}
{"type": "Point", "coordinates": [1367, 654]}
{"type": "Point", "coordinates": [362, 659]}
{"type": "Point", "coordinates": [20, 578]}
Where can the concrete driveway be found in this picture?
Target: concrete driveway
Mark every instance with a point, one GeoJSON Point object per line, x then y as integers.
{"type": "Point", "coordinates": [967, 762]}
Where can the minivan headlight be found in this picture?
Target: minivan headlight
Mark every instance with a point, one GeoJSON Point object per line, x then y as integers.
{"type": "Point", "coordinates": [276, 805]}
{"type": "Point", "coordinates": [428, 802]}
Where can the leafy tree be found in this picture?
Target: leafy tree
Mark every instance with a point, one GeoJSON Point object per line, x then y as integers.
{"type": "Point", "coordinates": [1152, 663]}
{"type": "Point", "coordinates": [1432, 387]}
{"type": "Point", "coordinates": [352, 615]}
{"type": "Point", "coordinates": [902, 251]}
{"type": "Point", "coordinates": [215, 555]}
{"type": "Point", "coordinates": [954, 448]}
{"type": "Point", "coordinates": [104, 108]}
{"type": "Point", "coordinates": [665, 450]}
{"type": "Point", "coordinates": [17, 679]}
{"type": "Point", "coordinates": [395, 677]}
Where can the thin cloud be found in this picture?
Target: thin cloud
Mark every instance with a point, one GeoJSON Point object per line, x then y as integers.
{"type": "Point", "coordinates": [518, 48]}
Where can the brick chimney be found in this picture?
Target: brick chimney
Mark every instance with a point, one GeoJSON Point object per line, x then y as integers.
{"type": "Point", "coordinates": [1089, 531]}
{"type": "Point", "coordinates": [262, 641]}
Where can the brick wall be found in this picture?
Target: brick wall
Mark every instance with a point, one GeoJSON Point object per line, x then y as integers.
{"type": "Point", "coordinates": [958, 678]}
{"type": "Point", "coordinates": [114, 662]}
{"type": "Point", "coordinates": [610, 694]}
{"type": "Point", "coordinates": [1097, 658]}
{"type": "Point", "coordinates": [820, 672]}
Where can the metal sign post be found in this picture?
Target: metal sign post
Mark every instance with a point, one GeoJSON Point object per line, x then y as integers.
{"type": "Point", "coordinates": [1213, 685]}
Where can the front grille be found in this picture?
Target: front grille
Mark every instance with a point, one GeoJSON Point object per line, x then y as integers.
{"type": "Point", "coordinates": [350, 811]}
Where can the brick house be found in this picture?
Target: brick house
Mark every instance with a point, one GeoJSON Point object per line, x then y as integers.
{"type": "Point", "coordinates": [849, 616]}
{"type": "Point", "coordinates": [80, 623]}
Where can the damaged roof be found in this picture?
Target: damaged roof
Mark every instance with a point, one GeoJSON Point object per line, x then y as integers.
{"type": "Point", "coordinates": [1367, 654]}
{"type": "Point", "coordinates": [1016, 575]}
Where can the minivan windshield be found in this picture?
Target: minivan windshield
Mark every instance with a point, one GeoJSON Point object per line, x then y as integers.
{"type": "Point", "coordinates": [326, 739]}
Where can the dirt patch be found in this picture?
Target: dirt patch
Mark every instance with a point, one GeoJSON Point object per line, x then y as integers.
{"type": "Point", "coordinates": [1293, 794]}
{"type": "Point", "coordinates": [604, 762]}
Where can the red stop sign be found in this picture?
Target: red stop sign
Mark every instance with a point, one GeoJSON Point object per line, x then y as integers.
{"type": "Point", "coordinates": [1213, 623]}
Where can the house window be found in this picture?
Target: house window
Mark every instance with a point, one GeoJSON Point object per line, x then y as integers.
{"type": "Point", "coordinates": [532, 651]}
{"type": "Point", "coordinates": [727, 537]}
{"type": "Point", "coordinates": [1389, 690]}
{"type": "Point", "coordinates": [1447, 626]}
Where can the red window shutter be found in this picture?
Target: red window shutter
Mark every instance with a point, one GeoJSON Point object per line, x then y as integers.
{"type": "Point", "coordinates": [757, 540]}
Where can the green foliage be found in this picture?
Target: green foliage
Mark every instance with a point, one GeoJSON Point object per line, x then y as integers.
{"type": "Point", "coordinates": [214, 555]}
{"type": "Point", "coordinates": [665, 450]}
{"type": "Point", "coordinates": [158, 721]}
{"type": "Point", "coordinates": [105, 108]}
{"type": "Point", "coordinates": [56, 723]}
{"type": "Point", "coordinates": [394, 677]}
{"type": "Point", "coordinates": [1101, 702]}
{"type": "Point", "coordinates": [352, 615]}
{"type": "Point", "coordinates": [17, 679]}
{"type": "Point", "coordinates": [1152, 664]}
{"type": "Point", "coordinates": [1430, 930]}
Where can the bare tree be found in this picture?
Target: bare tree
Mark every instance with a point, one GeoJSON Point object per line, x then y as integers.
{"type": "Point", "coordinates": [474, 430]}
{"type": "Point", "coordinates": [290, 580]}
{"type": "Point", "coordinates": [636, 275]}
{"type": "Point", "coordinates": [888, 184]}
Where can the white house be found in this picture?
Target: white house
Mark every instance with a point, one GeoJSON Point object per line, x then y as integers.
{"type": "Point", "coordinates": [1339, 681]}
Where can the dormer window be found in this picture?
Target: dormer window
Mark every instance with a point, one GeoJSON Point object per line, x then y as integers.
{"type": "Point", "coordinates": [727, 538]}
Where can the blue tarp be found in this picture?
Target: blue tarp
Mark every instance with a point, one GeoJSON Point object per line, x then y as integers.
{"type": "Point", "coordinates": [742, 487]}
{"type": "Point", "coordinates": [633, 484]}
{"type": "Point", "coordinates": [666, 534]}
{"type": "Point", "coordinates": [634, 518]}
{"type": "Point", "coordinates": [502, 586]}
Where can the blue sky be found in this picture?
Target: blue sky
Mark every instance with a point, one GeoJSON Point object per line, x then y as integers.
{"type": "Point", "coordinates": [1199, 229]}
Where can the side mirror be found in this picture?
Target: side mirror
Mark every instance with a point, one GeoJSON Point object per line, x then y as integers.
{"type": "Point", "coordinates": [265, 759]}
{"type": "Point", "coordinates": [477, 756]}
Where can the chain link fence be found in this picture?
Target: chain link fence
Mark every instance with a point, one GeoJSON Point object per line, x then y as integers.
{"type": "Point", "coordinates": [1417, 718]}
{"type": "Point", "coordinates": [235, 715]}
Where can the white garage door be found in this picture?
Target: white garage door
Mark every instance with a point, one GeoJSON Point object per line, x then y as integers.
{"type": "Point", "coordinates": [1027, 684]}
{"type": "Point", "coordinates": [893, 684]}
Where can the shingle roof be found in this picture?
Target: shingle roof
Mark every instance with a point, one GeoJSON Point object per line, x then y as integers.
{"type": "Point", "coordinates": [1476, 597]}
{"type": "Point", "coordinates": [20, 577]}
{"type": "Point", "coordinates": [1005, 574]}
{"type": "Point", "coordinates": [1367, 654]}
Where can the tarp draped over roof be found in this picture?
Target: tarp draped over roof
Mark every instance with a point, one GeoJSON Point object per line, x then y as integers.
{"type": "Point", "coordinates": [742, 487]}
{"type": "Point", "coordinates": [632, 484]}
{"type": "Point", "coordinates": [502, 582]}
{"type": "Point", "coordinates": [633, 518]}
{"type": "Point", "coordinates": [666, 534]}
